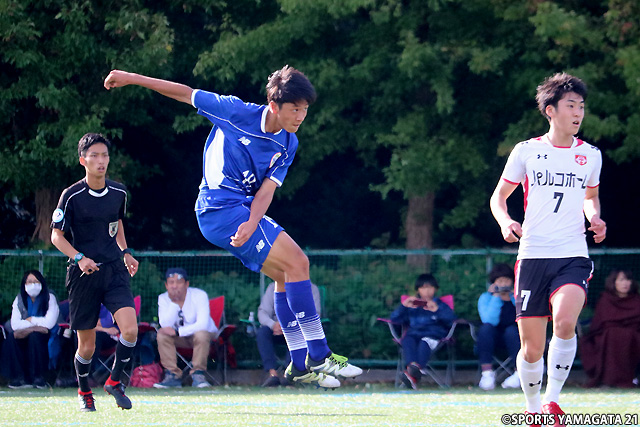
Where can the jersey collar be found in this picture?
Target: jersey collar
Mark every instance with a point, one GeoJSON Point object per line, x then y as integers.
{"type": "Point", "coordinates": [263, 121]}
{"type": "Point", "coordinates": [95, 193]}
{"type": "Point", "coordinates": [575, 142]}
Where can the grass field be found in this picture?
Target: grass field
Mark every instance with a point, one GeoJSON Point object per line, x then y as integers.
{"type": "Point", "coordinates": [376, 405]}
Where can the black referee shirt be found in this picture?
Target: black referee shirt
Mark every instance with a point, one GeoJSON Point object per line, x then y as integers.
{"type": "Point", "coordinates": [92, 217]}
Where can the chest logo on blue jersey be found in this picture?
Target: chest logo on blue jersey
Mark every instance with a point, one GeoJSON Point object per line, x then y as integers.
{"type": "Point", "coordinates": [113, 228]}
{"type": "Point", "coordinates": [57, 216]}
{"type": "Point", "coordinates": [274, 159]}
{"type": "Point", "coordinates": [581, 159]}
{"type": "Point", "coordinates": [244, 140]}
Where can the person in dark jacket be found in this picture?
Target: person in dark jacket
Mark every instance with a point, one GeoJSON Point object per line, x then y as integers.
{"type": "Point", "coordinates": [428, 320]}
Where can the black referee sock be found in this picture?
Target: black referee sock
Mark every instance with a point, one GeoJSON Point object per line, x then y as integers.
{"type": "Point", "coordinates": [83, 366]}
{"type": "Point", "coordinates": [124, 350]}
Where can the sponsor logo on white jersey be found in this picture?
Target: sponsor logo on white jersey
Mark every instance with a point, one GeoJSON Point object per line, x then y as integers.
{"type": "Point", "coordinates": [260, 245]}
{"type": "Point", "coordinates": [245, 140]}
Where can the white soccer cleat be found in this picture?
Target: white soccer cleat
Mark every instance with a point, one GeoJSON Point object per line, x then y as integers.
{"type": "Point", "coordinates": [318, 379]}
{"type": "Point", "coordinates": [335, 365]}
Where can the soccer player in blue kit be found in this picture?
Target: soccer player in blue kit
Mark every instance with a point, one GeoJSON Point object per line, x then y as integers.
{"type": "Point", "coordinates": [246, 157]}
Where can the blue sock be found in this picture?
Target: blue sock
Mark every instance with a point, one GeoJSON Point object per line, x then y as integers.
{"type": "Point", "coordinates": [291, 330]}
{"type": "Point", "coordinates": [300, 298]}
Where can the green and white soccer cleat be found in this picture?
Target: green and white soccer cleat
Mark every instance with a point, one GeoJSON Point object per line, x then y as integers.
{"type": "Point", "coordinates": [335, 365]}
{"type": "Point", "coordinates": [319, 379]}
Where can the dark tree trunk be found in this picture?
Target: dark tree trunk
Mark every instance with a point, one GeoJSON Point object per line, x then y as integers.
{"type": "Point", "coordinates": [419, 226]}
{"type": "Point", "coordinates": [46, 201]}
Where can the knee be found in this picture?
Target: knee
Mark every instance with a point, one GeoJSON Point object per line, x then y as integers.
{"type": "Point", "coordinates": [564, 327]}
{"type": "Point", "coordinates": [532, 352]}
{"type": "Point", "coordinates": [130, 333]}
{"type": "Point", "coordinates": [86, 349]}
{"type": "Point", "coordinates": [164, 339]}
{"type": "Point", "coordinates": [298, 264]}
{"type": "Point", "coordinates": [264, 332]}
{"type": "Point", "coordinates": [201, 338]}
{"type": "Point", "coordinates": [486, 329]}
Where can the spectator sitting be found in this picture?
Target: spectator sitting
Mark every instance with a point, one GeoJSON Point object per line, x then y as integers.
{"type": "Point", "coordinates": [270, 333]}
{"type": "Point", "coordinates": [497, 308]}
{"type": "Point", "coordinates": [185, 321]}
{"type": "Point", "coordinates": [611, 349]}
{"type": "Point", "coordinates": [25, 354]}
{"type": "Point", "coordinates": [428, 319]}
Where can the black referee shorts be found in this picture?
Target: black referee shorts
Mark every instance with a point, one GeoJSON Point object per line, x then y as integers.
{"type": "Point", "coordinates": [108, 286]}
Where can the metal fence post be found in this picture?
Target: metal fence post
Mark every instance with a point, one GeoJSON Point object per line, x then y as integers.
{"type": "Point", "coordinates": [41, 261]}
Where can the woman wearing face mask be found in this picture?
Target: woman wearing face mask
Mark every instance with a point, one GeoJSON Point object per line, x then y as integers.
{"type": "Point", "coordinates": [25, 354]}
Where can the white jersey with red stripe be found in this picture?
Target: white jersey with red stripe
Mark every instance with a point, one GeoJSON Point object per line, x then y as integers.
{"type": "Point", "coordinates": [554, 180]}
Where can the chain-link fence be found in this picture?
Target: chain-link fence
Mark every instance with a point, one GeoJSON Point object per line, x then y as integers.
{"type": "Point", "coordinates": [361, 285]}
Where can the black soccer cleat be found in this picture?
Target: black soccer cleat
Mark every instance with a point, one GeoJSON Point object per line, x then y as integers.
{"type": "Point", "coordinates": [117, 391]}
{"type": "Point", "coordinates": [87, 403]}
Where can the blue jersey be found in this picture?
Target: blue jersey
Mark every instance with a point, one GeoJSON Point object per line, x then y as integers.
{"type": "Point", "coordinates": [239, 154]}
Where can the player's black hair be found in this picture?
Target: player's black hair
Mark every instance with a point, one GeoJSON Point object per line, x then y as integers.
{"type": "Point", "coordinates": [44, 293]}
{"type": "Point", "coordinates": [426, 279]}
{"type": "Point", "coordinates": [90, 139]}
{"type": "Point", "coordinates": [289, 85]}
{"type": "Point", "coordinates": [553, 88]}
{"type": "Point", "coordinates": [501, 270]}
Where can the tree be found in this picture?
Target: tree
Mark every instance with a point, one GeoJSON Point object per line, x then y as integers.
{"type": "Point", "coordinates": [54, 55]}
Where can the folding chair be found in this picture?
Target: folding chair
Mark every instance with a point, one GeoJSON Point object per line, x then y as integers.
{"type": "Point", "coordinates": [446, 345]}
{"type": "Point", "coordinates": [504, 368]}
{"type": "Point", "coordinates": [221, 347]}
{"type": "Point", "coordinates": [106, 356]}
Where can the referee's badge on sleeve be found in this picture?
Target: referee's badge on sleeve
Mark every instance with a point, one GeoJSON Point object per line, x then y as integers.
{"type": "Point", "coordinates": [113, 228]}
{"type": "Point", "coordinates": [57, 216]}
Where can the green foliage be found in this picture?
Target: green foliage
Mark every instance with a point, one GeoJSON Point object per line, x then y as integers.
{"type": "Point", "coordinates": [429, 92]}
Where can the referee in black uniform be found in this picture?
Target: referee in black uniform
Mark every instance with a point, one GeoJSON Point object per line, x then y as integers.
{"type": "Point", "coordinates": [92, 210]}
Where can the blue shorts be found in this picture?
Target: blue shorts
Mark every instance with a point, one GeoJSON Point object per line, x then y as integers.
{"type": "Point", "coordinates": [537, 280]}
{"type": "Point", "coordinates": [218, 225]}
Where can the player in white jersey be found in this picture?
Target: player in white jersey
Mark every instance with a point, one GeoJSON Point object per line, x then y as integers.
{"type": "Point", "coordinates": [560, 175]}
{"type": "Point", "coordinates": [246, 157]}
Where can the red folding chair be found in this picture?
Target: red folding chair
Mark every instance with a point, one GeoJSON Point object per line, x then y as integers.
{"type": "Point", "coordinates": [107, 355]}
{"type": "Point", "coordinates": [221, 349]}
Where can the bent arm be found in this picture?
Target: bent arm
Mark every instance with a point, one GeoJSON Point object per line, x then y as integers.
{"type": "Point", "coordinates": [591, 208]}
{"type": "Point", "coordinates": [177, 91]}
{"type": "Point", "coordinates": [511, 230]}
{"type": "Point", "coordinates": [129, 261]}
{"type": "Point", "coordinates": [262, 201]}
{"type": "Point", "coordinates": [51, 317]}
{"type": "Point", "coordinates": [17, 322]}
{"type": "Point", "coordinates": [591, 204]}
{"type": "Point", "coordinates": [61, 242]}
{"type": "Point", "coordinates": [259, 205]}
